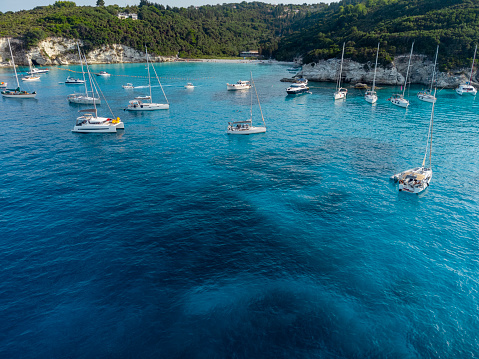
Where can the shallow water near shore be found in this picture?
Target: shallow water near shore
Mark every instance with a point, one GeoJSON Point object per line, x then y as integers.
{"type": "Point", "coordinates": [171, 239]}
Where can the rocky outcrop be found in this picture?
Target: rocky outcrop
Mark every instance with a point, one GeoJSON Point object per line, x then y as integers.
{"type": "Point", "coordinates": [392, 74]}
{"type": "Point", "coordinates": [61, 51]}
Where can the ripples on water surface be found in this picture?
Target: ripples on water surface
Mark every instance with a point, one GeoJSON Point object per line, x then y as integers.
{"type": "Point", "coordinates": [173, 240]}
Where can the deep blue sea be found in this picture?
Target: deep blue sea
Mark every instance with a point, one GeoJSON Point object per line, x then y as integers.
{"type": "Point", "coordinates": [171, 239]}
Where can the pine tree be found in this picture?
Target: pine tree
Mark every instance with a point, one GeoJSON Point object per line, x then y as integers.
{"type": "Point", "coordinates": [100, 2]}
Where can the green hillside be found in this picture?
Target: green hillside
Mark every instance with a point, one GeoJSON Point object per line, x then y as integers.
{"type": "Point", "coordinates": [453, 24]}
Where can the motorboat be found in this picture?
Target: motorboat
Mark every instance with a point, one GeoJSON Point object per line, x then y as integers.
{"type": "Point", "coordinates": [246, 127]}
{"type": "Point", "coordinates": [298, 87]}
{"type": "Point", "coordinates": [89, 122]}
{"type": "Point", "coordinates": [89, 97]}
{"type": "Point", "coordinates": [398, 99]}
{"type": "Point", "coordinates": [74, 81]}
{"type": "Point", "coordinates": [189, 86]}
{"type": "Point", "coordinates": [128, 86]}
{"type": "Point", "coordinates": [139, 104]}
{"type": "Point", "coordinates": [103, 73]}
{"type": "Point", "coordinates": [31, 77]}
{"type": "Point", "coordinates": [426, 95]}
{"type": "Point", "coordinates": [240, 85]}
{"type": "Point", "coordinates": [16, 93]}
{"type": "Point", "coordinates": [3, 85]}
{"type": "Point", "coordinates": [340, 92]}
{"type": "Point", "coordinates": [417, 179]}
{"type": "Point", "coordinates": [371, 96]}
{"type": "Point", "coordinates": [467, 88]}
{"type": "Point", "coordinates": [35, 71]}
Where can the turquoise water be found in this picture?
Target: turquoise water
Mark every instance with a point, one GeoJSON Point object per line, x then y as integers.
{"type": "Point", "coordinates": [171, 239]}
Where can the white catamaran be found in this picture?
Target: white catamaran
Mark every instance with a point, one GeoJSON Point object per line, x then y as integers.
{"type": "Point", "coordinates": [16, 93]}
{"type": "Point", "coordinates": [427, 94]}
{"type": "Point", "coordinates": [340, 92]}
{"type": "Point", "coordinates": [398, 99]}
{"type": "Point", "coordinates": [246, 127]}
{"type": "Point", "coordinates": [141, 105]}
{"type": "Point", "coordinates": [370, 95]}
{"type": "Point", "coordinates": [467, 87]}
{"type": "Point", "coordinates": [417, 179]}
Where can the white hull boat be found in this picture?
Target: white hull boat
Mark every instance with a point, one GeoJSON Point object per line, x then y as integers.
{"type": "Point", "coordinates": [83, 99]}
{"type": "Point", "coordinates": [399, 101]}
{"type": "Point", "coordinates": [31, 78]}
{"type": "Point", "coordinates": [246, 127]}
{"type": "Point", "coordinates": [340, 92]}
{"type": "Point", "coordinates": [189, 86]}
{"type": "Point", "coordinates": [89, 123]}
{"type": "Point", "coordinates": [371, 96]}
{"type": "Point", "coordinates": [127, 86]}
{"type": "Point", "coordinates": [3, 85]}
{"type": "Point", "coordinates": [466, 89]}
{"type": "Point", "coordinates": [414, 180]}
{"type": "Point", "coordinates": [240, 85]}
{"type": "Point", "coordinates": [299, 87]}
{"type": "Point", "coordinates": [138, 105]}
{"type": "Point", "coordinates": [35, 71]}
{"type": "Point", "coordinates": [103, 74]}
{"type": "Point", "coordinates": [426, 97]}
{"type": "Point", "coordinates": [74, 81]}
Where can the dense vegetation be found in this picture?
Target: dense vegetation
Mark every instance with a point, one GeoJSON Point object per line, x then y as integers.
{"type": "Point", "coordinates": [452, 24]}
{"type": "Point", "coordinates": [283, 31]}
{"type": "Point", "coordinates": [222, 30]}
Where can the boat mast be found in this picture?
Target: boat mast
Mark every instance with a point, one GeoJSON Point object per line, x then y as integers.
{"type": "Point", "coordinates": [472, 67]}
{"type": "Point", "coordinates": [429, 135]}
{"type": "Point", "coordinates": [434, 70]}
{"type": "Point", "coordinates": [148, 66]}
{"type": "Point", "coordinates": [407, 72]}
{"type": "Point", "coordinates": [341, 68]}
{"type": "Point", "coordinates": [14, 68]}
{"type": "Point", "coordinates": [259, 104]}
{"type": "Point", "coordinates": [375, 68]}
{"type": "Point", "coordinates": [251, 109]}
{"type": "Point", "coordinates": [83, 72]}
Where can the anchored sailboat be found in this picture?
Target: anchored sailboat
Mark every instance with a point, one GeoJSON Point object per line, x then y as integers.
{"type": "Point", "coordinates": [427, 95]}
{"type": "Point", "coordinates": [246, 127]}
{"type": "Point", "coordinates": [16, 93]}
{"type": "Point", "coordinates": [370, 95]}
{"type": "Point", "coordinates": [140, 105]}
{"type": "Point", "coordinates": [30, 76]}
{"type": "Point", "coordinates": [341, 92]}
{"type": "Point", "coordinates": [417, 179]}
{"type": "Point", "coordinates": [467, 87]}
{"type": "Point", "coordinates": [398, 99]}
{"type": "Point", "coordinates": [85, 98]}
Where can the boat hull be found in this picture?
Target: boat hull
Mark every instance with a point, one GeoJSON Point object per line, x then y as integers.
{"type": "Point", "coordinates": [30, 95]}
{"type": "Point", "coordinates": [339, 95]}
{"type": "Point", "coordinates": [84, 100]}
{"type": "Point", "coordinates": [371, 99]}
{"type": "Point", "coordinates": [400, 102]}
{"type": "Point", "coordinates": [100, 128]}
{"type": "Point", "coordinates": [249, 131]}
{"type": "Point", "coordinates": [413, 180]}
{"type": "Point", "coordinates": [426, 97]}
{"type": "Point", "coordinates": [148, 107]}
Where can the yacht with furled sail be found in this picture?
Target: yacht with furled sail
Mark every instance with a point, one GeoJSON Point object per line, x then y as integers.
{"type": "Point", "coordinates": [16, 93]}
{"type": "Point", "coordinates": [427, 94]}
{"type": "Point", "coordinates": [467, 87]}
{"type": "Point", "coordinates": [340, 92]}
{"type": "Point", "coordinates": [398, 99]}
{"type": "Point", "coordinates": [240, 85]}
{"type": "Point", "coordinates": [246, 127]}
{"type": "Point", "coordinates": [148, 104]}
{"type": "Point", "coordinates": [90, 122]}
{"type": "Point", "coordinates": [87, 98]}
{"type": "Point", "coordinates": [371, 95]}
{"type": "Point", "coordinates": [416, 180]}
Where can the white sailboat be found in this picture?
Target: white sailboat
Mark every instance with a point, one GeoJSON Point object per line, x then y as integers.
{"type": "Point", "coordinates": [246, 127]}
{"type": "Point", "coordinates": [30, 76]}
{"type": "Point", "coordinates": [90, 122]}
{"type": "Point", "coordinates": [85, 98]}
{"type": "Point", "coordinates": [16, 93]}
{"type": "Point", "coordinates": [427, 95]}
{"type": "Point", "coordinates": [370, 95]}
{"type": "Point", "coordinates": [416, 180]}
{"type": "Point", "coordinates": [341, 92]}
{"type": "Point", "coordinates": [467, 87]}
{"type": "Point", "coordinates": [140, 105]}
{"type": "Point", "coordinates": [398, 99]}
